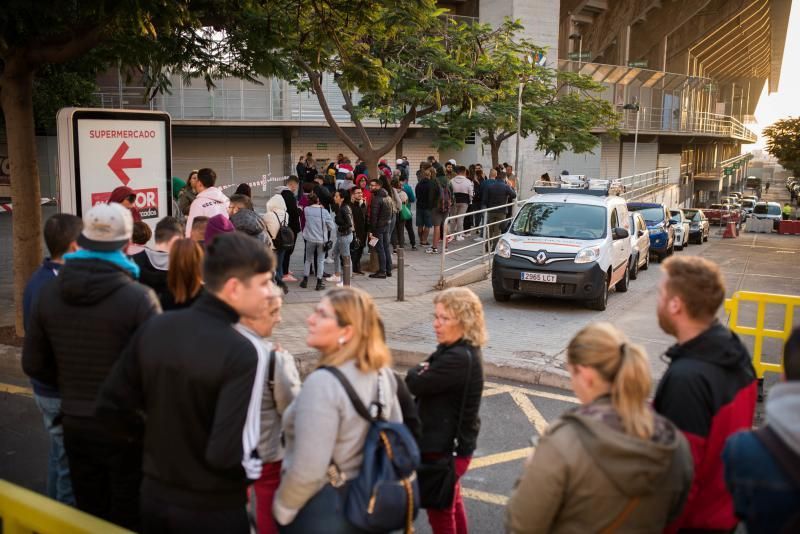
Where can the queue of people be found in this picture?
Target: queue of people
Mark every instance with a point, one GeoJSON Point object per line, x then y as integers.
{"type": "Point", "coordinates": [182, 421]}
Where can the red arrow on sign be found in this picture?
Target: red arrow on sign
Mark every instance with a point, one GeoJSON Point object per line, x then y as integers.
{"type": "Point", "coordinates": [118, 164]}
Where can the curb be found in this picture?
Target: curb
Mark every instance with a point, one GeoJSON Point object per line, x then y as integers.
{"type": "Point", "coordinates": [502, 368]}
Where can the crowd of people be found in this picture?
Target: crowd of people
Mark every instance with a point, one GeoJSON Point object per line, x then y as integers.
{"type": "Point", "coordinates": [172, 407]}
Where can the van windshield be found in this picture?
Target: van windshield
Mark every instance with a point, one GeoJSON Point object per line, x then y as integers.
{"type": "Point", "coordinates": [569, 221]}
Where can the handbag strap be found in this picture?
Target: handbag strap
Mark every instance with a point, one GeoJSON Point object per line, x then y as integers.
{"type": "Point", "coordinates": [271, 374]}
{"type": "Point", "coordinates": [620, 519]}
{"type": "Point", "coordinates": [463, 400]}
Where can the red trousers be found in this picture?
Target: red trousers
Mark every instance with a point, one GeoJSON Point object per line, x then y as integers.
{"type": "Point", "coordinates": [452, 520]}
{"type": "Point", "coordinates": [265, 488]}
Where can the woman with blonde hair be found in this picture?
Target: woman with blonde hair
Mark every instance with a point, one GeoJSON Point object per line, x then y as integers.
{"type": "Point", "coordinates": [324, 433]}
{"type": "Point", "coordinates": [184, 276]}
{"type": "Point", "coordinates": [448, 387]}
{"type": "Point", "coordinates": [611, 464]}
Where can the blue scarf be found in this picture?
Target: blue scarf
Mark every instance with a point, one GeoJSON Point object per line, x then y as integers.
{"type": "Point", "coordinates": [116, 257]}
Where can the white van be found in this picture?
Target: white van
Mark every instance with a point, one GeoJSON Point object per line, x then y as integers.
{"type": "Point", "coordinates": [570, 243]}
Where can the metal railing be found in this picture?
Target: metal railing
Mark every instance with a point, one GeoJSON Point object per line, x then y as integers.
{"type": "Point", "coordinates": [645, 183]}
{"type": "Point", "coordinates": [653, 119]}
{"type": "Point", "coordinates": [480, 249]}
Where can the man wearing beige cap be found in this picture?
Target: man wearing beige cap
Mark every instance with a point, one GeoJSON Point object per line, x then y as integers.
{"type": "Point", "coordinates": [79, 324]}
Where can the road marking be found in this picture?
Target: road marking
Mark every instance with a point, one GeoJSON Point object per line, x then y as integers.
{"type": "Point", "coordinates": [497, 390]}
{"type": "Point", "coordinates": [491, 498]}
{"type": "Point", "coordinates": [500, 457]}
{"type": "Point", "coordinates": [15, 390]}
{"type": "Point", "coordinates": [530, 411]}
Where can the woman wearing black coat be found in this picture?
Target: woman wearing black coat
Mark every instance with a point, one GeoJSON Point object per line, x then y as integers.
{"type": "Point", "coordinates": [448, 387]}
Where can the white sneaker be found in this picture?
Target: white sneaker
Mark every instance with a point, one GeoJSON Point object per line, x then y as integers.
{"type": "Point", "coordinates": [328, 260]}
{"type": "Point", "coordinates": [478, 239]}
{"type": "Point", "coordinates": [335, 278]}
{"type": "Point", "coordinates": [339, 284]}
{"type": "Point", "coordinates": [460, 238]}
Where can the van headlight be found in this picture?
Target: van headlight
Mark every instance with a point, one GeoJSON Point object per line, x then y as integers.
{"type": "Point", "coordinates": [503, 249]}
{"type": "Point", "coordinates": [587, 255]}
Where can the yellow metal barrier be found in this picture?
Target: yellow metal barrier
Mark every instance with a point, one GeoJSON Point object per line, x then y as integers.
{"type": "Point", "coordinates": [25, 512]}
{"type": "Point", "coordinates": [759, 332]}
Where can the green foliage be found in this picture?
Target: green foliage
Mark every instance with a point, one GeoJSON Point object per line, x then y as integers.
{"type": "Point", "coordinates": [561, 108]}
{"type": "Point", "coordinates": [783, 142]}
{"type": "Point", "coordinates": [59, 86]}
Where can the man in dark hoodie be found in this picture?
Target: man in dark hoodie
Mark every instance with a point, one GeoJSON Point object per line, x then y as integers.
{"type": "Point", "coordinates": [762, 467]}
{"type": "Point", "coordinates": [61, 232]}
{"type": "Point", "coordinates": [78, 326]}
{"type": "Point", "coordinates": [289, 194]}
{"type": "Point", "coordinates": [709, 389]}
{"type": "Point", "coordinates": [154, 262]}
{"type": "Point", "coordinates": [379, 218]}
{"type": "Point", "coordinates": [198, 383]}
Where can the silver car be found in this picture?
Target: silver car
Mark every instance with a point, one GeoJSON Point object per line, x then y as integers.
{"type": "Point", "coordinates": [640, 244]}
{"type": "Point", "coordinates": [682, 228]}
{"type": "Point", "coordinates": [698, 227]}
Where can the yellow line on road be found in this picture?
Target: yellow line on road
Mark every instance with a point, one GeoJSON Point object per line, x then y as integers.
{"type": "Point", "coordinates": [497, 390]}
{"type": "Point", "coordinates": [530, 411]}
{"type": "Point", "coordinates": [491, 498]}
{"type": "Point", "coordinates": [15, 390]}
{"type": "Point", "coordinates": [499, 458]}
{"type": "Point", "coordinates": [494, 389]}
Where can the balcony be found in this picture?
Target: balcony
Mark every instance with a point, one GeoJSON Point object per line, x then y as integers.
{"type": "Point", "coordinates": [668, 103]}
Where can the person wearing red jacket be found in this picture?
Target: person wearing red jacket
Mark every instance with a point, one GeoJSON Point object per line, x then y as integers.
{"type": "Point", "coordinates": [709, 389]}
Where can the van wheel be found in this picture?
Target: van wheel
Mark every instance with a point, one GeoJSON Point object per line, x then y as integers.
{"type": "Point", "coordinates": [501, 297]}
{"type": "Point", "coordinates": [600, 302]}
{"type": "Point", "coordinates": [634, 267]}
{"type": "Point", "coordinates": [623, 285]}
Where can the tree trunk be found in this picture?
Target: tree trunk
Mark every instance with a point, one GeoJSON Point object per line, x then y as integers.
{"type": "Point", "coordinates": [16, 98]}
{"type": "Point", "coordinates": [371, 160]}
{"type": "Point", "coordinates": [495, 148]}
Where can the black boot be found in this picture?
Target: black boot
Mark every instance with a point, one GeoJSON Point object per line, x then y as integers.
{"type": "Point", "coordinates": [320, 284]}
{"type": "Point", "coordinates": [304, 282]}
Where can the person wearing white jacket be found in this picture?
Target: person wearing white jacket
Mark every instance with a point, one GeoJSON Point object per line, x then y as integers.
{"type": "Point", "coordinates": [275, 217]}
{"type": "Point", "coordinates": [210, 200]}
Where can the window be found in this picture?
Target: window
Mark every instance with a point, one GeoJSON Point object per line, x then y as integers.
{"type": "Point", "coordinates": [569, 221]}
{"type": "Point", "coordinates": [614, 219]}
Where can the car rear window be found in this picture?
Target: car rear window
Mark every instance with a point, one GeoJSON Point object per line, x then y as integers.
{"type": "Point", "coordinates": [761, 209]}
{"type": "Point", "coordinates": [692, 215]}
{"type": "Point", "coordinates": [650, 214]}
{"type": "Point", "coordinates": [570, 221]}
{"type": "Point", "coordinates": [774, 210]}
{"type": "Point", "coordinates": [716, 206]}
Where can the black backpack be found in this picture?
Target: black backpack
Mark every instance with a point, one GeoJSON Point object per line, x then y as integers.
{"type": "Point", "coordinates": [285, 236]}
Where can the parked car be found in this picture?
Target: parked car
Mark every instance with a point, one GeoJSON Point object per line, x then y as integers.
{"type": "Point", "coordinates": [566, 244]}
{"type": "Point", "coordinates": [747, 205]}
{"type": "Point", "coordinates": [721, 214]}
{"type": "Point", "coordinates": [640, 244]}
{"type": "Point", "coordinates": [662, 232]}
{"type": "Point", "coordinates": [699, 228]}
{"type": "Point", "coordinates": [768, 210]}
{"type": "Point", "coordinates": [682, 225]}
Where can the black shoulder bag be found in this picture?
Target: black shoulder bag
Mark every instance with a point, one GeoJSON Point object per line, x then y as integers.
{"type": "Point", "coordinates": [437, 478]}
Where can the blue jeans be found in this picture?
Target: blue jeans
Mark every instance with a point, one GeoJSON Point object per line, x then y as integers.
{"type": "Point", "coordinates": [312, 247]}
{"type": "Point", "coordinates": [59, 486]}
{"type": "Point", "coordinates": [279, 254]}
{"type": "Point", "coordinates": [384, 248]}
{"type": "Point", "coordinates": [341, 249]}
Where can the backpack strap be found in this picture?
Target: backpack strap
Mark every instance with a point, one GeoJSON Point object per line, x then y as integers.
{"type": "Point", "coordinates": [787, 459]}
{"type": "Point", "coordinates": [351, 393]}
{"type": "Point", "coordinates": [623, 515]}
{"type": "Point", "coordinates": [271, 373]}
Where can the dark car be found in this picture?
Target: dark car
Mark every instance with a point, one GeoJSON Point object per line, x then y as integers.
{"type": "Point", "coordinates": [662, 233]}
{"type": "Point", "coordinates": [699, 227]}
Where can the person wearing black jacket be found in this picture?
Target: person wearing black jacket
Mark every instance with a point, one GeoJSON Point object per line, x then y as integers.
{"type": "Point", "coordinates": [192, 382]}
{"type": "Point", "coordinates": [289, 197]}
{"type": "Point", "coordinates": [380, 217]}
{"type": "Point", "coordinates": [360, 227]}
{"type": "Point", "coordinates": [154, 262]}
{"type": "Point", "coordinates": [448, 387]}
{"type": "Point", "coordinates": [79, 324]}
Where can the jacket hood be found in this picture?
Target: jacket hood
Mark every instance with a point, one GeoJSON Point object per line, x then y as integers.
{"type": "Point", "coordinates": [158, 259]}
{"type": "Point", "coordinates": [249, 222]}
{"type": "Point", "coordinates": [214, 193]}
{"type": "Point", "coordinates": [783, 412]}
{"type": "Point", "coordinates": [276, 203]}
{"type": "Point", "coordinates": [635, 466]}
{"type": "Point", "coordinates": [717, 345]}
{"type": "Point", "coordinates": [380, 193]}
{"type": "Point", "coordinates": [86, 282]}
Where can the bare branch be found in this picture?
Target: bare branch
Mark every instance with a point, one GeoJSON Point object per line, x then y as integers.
{"type": "Point", "coordinates": [348, 106]}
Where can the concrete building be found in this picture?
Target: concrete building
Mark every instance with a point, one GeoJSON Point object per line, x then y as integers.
{"type": "Point", "coordinates": [689, 72]}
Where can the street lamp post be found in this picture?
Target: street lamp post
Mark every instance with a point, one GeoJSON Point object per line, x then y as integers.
{"type": "Point", "coordinates": [522, 82]}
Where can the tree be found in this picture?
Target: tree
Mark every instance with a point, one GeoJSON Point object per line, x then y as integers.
{"type": "Point", "coordinates": [393, 60]}
{"type": "Point", "coordinates": [561, 108]}
{"type": "Point", "coordinates": [144, 36]}
{"type": "Point", "coordinates": [783, 142]}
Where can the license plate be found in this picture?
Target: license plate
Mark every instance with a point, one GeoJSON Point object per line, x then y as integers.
{"type": "Point", "coordinates": [539, 277]}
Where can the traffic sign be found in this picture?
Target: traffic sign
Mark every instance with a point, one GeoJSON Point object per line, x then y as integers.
{"type": "Point", "coordinates": [638, 64]}
{"type": "Point", "coordinates": [728, 171]}
{"type": "Point", "coordinates": [583, 56]}
{"type": "Point", "coordinates": [100, 150]}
